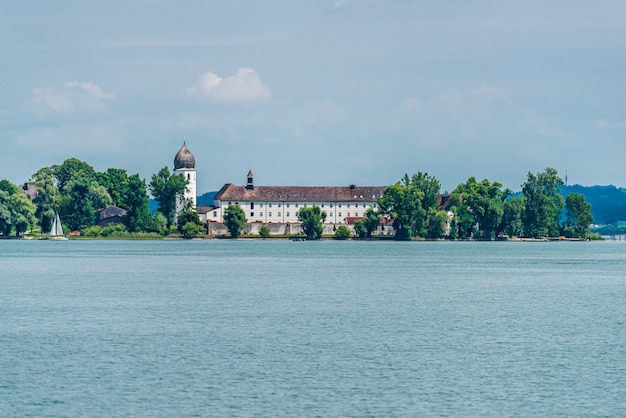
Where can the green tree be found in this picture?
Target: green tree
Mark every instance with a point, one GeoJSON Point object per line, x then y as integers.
{"type": "Point", "coordinates": [5, 213]}
{"type": "Point", "coordinates": [407, 203]}
{"type": "Point", "coordinates": [312, 221]}
{"type": "Point", "coordinates": [191, 229]}
{"type": "Point", "coordinates": [16, 209]}
{"type": "Point", "coordinates": [71, 168]}
{"type": "Point", "coordinates": [82, 199]}
{"type": "Point", "coordinates": [47, 201]}
{"type": "Point", "coordinates": [186, 217]}
{"type": "Point", "coordinates": [512, 222]}
{"type": "Point", "coordinates": [485, 202]}
{"type": "Point", "coordinates": [463, 224]}
{"type": "Point", "coordinates": [117, 183]}
{"type": "Point", "coordinates": [371, 221]}
{"type": "Point", "coordinates": [544, 203]}
{"type": "Point", "coordinates": [264, 232]}
{"type": "Point", "coordinates": [22, 212]}
{"type": "Point", "coordinates": [167, 188]}
{"type": "Point", "coordinates": [577, 216]}
{"type": "Point", "coordinates": [437, 223]}
{"type": "Point", "coordinates": [235, 220]}
{"type": "Point", "coordinates": [137, 204]}
{"type": "Point", "coordinates": [342, 233]}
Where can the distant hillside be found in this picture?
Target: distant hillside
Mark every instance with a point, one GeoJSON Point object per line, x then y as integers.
{"type": "Point", "coordinates": [608, 203]}
{"type": "Point", "coordinates": [203, 200]}
{"type": "Point", "coordinates": [206, 199]}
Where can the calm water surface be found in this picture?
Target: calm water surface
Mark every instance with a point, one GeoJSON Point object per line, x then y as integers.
{"type": "Point", "coordinates": [254, 328]}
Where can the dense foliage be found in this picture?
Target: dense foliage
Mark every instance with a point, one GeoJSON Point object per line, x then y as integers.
{"type": "Point", "coordinates": [312, 221]}
{"type": "Point", "coordinates": [235, 220]}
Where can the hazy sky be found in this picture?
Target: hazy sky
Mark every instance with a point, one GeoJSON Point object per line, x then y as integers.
{"type": "Point", "coordinates": [326, 92]}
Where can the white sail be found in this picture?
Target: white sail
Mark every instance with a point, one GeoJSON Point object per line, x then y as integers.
{"type": "Point", "coordinates": [57, 228]}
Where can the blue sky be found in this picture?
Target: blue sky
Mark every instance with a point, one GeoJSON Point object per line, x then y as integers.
{"type": "Point", "coordinates": [326, 92]}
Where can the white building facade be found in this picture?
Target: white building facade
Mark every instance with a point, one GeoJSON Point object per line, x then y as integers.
{"type": "Point", "coordinates": [280, 204]}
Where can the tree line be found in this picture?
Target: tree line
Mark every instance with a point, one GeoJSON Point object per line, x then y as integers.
{"type": "Point", "coordinates": [475, 209]}
{"type": "Point", "coordinates": [484, 210]}
{"type": "Point", "coordinates": [78, 193]}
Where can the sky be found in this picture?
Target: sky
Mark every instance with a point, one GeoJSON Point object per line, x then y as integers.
{"type": "Point", "coordinates": [317, 92]}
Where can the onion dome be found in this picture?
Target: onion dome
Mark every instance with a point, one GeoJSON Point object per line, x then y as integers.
{"type": "Point", "coordinates": [184, 158]}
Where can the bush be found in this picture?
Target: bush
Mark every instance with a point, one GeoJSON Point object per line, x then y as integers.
{"type": "Point", "coordinates": [191, 229]}
{"type": "Point", "coordinates": [264, 232]}
{"type": "Point", "coordinates": [342, 233]}
{"type": "Point", "coordinates": [93, 231]}
{"type": "Point", "coordinates": [113, 230]}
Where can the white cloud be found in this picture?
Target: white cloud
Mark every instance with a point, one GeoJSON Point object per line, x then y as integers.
{"type": "Point", "coordinates": [244, 86]}
{"type": "Point", "coordinates": [73, 97]}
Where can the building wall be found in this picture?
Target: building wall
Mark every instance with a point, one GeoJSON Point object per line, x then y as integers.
{"type": "Point", "coordinates": [190, 191]}
{"type": "Point", "coordinates": [254, 228]}
{"type": "Point", "coordinates": [287, 212]}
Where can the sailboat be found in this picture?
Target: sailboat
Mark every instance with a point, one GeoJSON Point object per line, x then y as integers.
{"type": "Point", "coordinates": [56, 233]}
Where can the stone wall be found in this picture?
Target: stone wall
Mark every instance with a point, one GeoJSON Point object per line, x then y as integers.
{"type": "Point", "coordinates": [254, 228]}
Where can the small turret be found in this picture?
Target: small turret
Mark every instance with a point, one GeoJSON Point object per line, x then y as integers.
{"type": "Point", "coordinates": [250, 182]}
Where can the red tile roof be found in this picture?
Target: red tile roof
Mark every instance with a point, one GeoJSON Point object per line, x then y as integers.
{"type": "Point", "coordinates": [312, 194]}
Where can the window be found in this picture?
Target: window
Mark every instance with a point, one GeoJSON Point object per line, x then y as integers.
{"type": "Point", "coordinates": [339, 214]}
{"type": "Point", "coordinates": [269, 214]}
{"type": "Point", "coordinates": [279, 214]}
{"type": "Point", "coordinates": [252, 205]}
{"type": "Point", "coordinates": [287, 214]}
{"type": "Point", "coordinates": [322, 205]}
{"type": "Point", "coordinates": [261, 214]}
{"type": "Point", "coordinates": [356, 214]}
{"type": "Point", "coordinates": [348, 214]}
{"type": "Point", "coordinates": [270, 205]}
{"type": "Point", "coordinates": [296, 205]}
{"type": "Point", "coordinates": [331, 205]}
{"type": "Point", "coordinates": [251, 214]}
{"type": "Point", "coordinates": [287, 204]}
{"type": "Point", "coordinates": [348, 206]}
{"type": "Point", "coordinates": [339, 205]}
{"type": "Point", "coordinates": [260, 205]}
{"type": "Point", "coordinates": [279, 206]}
{"type": "Point", "coordinates": [215, 214]}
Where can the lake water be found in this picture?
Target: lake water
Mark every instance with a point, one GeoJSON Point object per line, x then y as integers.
{"type": "Point", "coordinates": [281, 328]}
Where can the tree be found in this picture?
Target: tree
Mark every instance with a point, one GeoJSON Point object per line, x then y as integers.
{"type": "Point", "coordinates": [485, 203]}
{"type": "Point", "coordinates": [577, 216]}
{"type": "Point", "coordinates": [137, 204]}
{"type": "Point", "coordinates": [16, 209]}
{"type": "Point", "coordinates": [463, 224]}
{"type": "Point", "coordinates": [167, 188]}
{"type": "Point", "coordinates": [71, 168]}
{"type": "Point", "coordinates": [342, 233]}
{"type": "Point", "coordinates": [312, 221]}
{"type": "Point", "coordinates": [82, 199]}
{"type": "Point", "coordinates": [5, 213]}
{"type": "Point", "coordinates": [235, 220]}
{"type": "Point", "coordinates": [369, 224]}
{"type": "Point", "coordinates": [437, 223]}
{"type": "Point", "coordinates": [22, 212]}
{"type": "Point", "coordinates": [264, 232]}
{"type": "Point", "coordinates": [47, 201]}
{"type": "Point", "coordinates": [116, 183]}
{"type": "Point", "coordinates": [544, 203]}
{"type": "Point", "coordinates": [187, 217]}
{"type": "Point", "coordinates": [407, 204]}
{"type": "Point", "coordinates": [512, 224]}
{"type": "Point", "coordinates": [191, 229]}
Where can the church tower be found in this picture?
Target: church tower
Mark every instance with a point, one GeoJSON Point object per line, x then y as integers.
{"type": "Point", "coordinates": [185, 165]}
